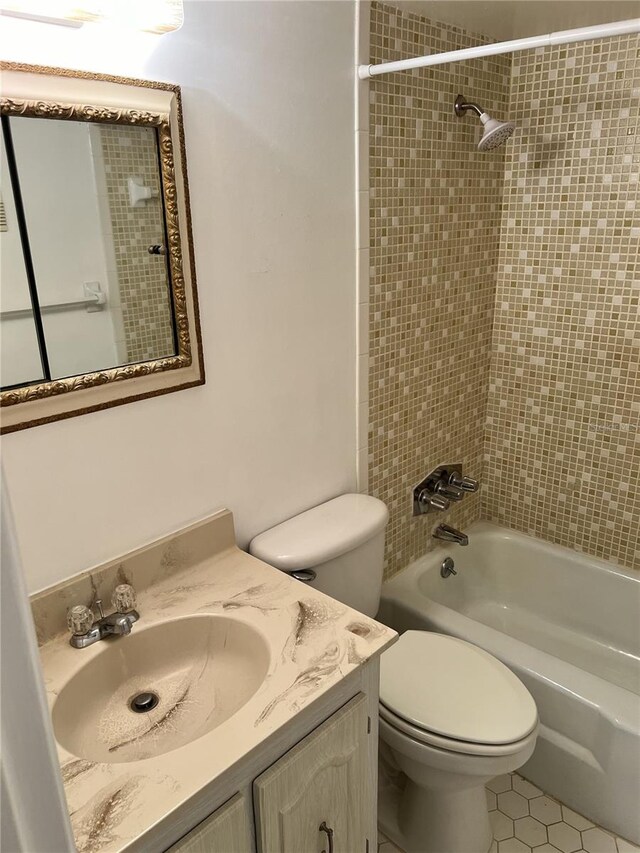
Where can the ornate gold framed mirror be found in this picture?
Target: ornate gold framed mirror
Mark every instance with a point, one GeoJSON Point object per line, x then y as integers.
{"type": "Point", "coordinates": [98, 301]}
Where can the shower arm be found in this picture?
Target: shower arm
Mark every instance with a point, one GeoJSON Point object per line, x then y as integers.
{"type": "Point", "coordinates": [461, 106]}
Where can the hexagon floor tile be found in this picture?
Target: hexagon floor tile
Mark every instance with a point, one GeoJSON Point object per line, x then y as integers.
{"type": "Point", "coordinates": [545, 810]}
{"type": "Point", "coordinates": [564, 837]}
{"type": "Point", "coordinates": [528, 821]}
{"type": "Point", "coordinates": [501, 825]}
{"type": "Point", "coordinates": [531, 831]}
{"type": "Point", "coordinates": [513, 804]}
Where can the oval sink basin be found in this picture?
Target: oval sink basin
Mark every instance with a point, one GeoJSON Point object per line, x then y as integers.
{"type": "Point", "coordinates": [159, 688]}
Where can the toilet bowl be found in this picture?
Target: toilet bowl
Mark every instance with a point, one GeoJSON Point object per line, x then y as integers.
{"type": "Point", "coordinates": [451, 715]}
{"type": "Point", "coordinates": [452, 718]}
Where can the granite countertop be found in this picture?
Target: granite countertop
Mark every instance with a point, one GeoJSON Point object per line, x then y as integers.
{"type": "Point", "coordinates": [313, 643]}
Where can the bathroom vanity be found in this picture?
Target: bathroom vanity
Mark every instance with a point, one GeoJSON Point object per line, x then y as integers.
{"type": "Point", "coordinates": [321, 787]}
{"type": "Point", "coordinates": [264, 733]}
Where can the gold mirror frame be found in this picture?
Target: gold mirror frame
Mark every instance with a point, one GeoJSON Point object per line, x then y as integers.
{"type": "Point", "coordinates": [44, 402]}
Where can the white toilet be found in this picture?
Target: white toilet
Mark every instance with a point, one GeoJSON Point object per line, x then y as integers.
{"type": "Point", "coordinates": [451, 715]}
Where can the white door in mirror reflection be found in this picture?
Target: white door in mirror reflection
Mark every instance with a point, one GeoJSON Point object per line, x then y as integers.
{"type": "Point", "coordinates": [80, 290]}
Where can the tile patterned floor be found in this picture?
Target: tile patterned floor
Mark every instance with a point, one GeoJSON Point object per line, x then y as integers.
{"type": "Point", "coordinates": [525, 820]}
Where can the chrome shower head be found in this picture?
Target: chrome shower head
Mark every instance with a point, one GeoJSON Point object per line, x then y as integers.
{"type": "Point", "coordinates": [495, 132]}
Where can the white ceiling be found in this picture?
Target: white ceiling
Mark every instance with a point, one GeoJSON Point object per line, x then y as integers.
{"type": "Point", "coordinates": [507, 19]}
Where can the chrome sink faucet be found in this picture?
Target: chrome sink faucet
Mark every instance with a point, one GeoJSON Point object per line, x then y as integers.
{"type": "Point", "coordinates": [85, 630]}
{"type": "Point", "coordinates": [450, 534]}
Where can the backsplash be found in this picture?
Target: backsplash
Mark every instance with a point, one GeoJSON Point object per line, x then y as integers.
{"type": "Point", "coordinates": [435, 224]}
{"type": "Point", "coordinates": [562, 453]}
{"type": "Point", "coordinates": [185, 549]}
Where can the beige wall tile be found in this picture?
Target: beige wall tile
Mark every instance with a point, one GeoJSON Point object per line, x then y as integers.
{"type": "Point", "coordinates": [541, 401]}
{"type": "Point", "coordinates": [142, 278]}
{"type": "Point", "coordinates": [435, 225]}
{"type": "Point", "coordinates": [564, 395]}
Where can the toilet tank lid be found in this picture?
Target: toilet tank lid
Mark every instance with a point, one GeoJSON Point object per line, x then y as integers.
{"type": "Point", "coordinates": [322, 533]}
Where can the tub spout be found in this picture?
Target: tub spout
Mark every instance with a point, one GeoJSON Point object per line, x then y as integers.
{"type": "Point", "coordinates": [450, 534]}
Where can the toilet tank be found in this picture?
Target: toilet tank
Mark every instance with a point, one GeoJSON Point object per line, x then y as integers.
{"type": "Point", "coordinates": [341, 540]}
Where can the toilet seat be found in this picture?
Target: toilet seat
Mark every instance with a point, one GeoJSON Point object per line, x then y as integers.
{"type": "Point", "coordinates": [449, 744]}
{"type": "Point", "coordinates": [450, 694]}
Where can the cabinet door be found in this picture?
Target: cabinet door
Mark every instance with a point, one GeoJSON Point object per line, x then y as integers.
{"type": "Point", "coordinates": [323, 781]}
{"type": "Point", "coordinates": [225, 831]}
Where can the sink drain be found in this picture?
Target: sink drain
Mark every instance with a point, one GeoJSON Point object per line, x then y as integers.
{"type": "Point", "coordinates": [143, 702]}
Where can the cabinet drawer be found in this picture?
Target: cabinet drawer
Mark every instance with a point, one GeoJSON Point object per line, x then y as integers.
{"type": "Point", "coordinates": [225, 831]}
{"type": "Point", "coordinates": [323, 781]}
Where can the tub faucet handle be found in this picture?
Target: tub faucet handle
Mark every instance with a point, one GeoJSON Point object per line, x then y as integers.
{"type": "Point", "coordinates": [449, 491]}
{"type": "Point", "coordinates": [466, 484]}
{"type": "Point", "coordinates": [426, 499]}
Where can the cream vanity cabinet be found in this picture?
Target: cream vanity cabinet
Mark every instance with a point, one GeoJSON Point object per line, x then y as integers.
{"type": "Point", "coordinates": [227, 830]}
{"type": "Point", "coordinates": [316, 797]}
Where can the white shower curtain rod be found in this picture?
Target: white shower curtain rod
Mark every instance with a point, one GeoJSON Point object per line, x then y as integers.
{"type": "Point", "coordinates": [618, 28]}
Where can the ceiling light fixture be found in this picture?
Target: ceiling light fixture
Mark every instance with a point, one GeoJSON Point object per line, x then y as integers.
{"type": "Point", "coordinates": [154, 16]}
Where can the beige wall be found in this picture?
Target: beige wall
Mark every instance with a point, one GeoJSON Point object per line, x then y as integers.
{"type": "Point", "coordinates": [268, 106]}
{"type": "Point", "coordinates": [435, 226]}
{"type": "Point", "coordinates": [563, 458]}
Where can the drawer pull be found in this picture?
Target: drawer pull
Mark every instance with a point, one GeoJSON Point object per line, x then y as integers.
{"type": "Point", "coordinates": [324, 828]}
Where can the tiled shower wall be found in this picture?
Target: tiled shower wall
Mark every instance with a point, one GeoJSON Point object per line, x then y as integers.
{"type": "Point", "coordinates": [560, 457]}
{"type": "Point", "coordinates": [563, 449]}
{"type": "Point", "coordinates": [142, 278]}
{"type": "Point", "coordinates": [435, 207]}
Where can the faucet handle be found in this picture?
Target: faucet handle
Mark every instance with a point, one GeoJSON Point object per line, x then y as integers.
{"type": "Point", "coordinates": [426, 499]}
{"type": "Point", "coordinates": [79, 619]}
{"type": "Point", "coordinates": [467, 484]}
{"type": "Point", "coordinates": [124, 598]}
{"type": "Point", "coordinates": [449, 491]}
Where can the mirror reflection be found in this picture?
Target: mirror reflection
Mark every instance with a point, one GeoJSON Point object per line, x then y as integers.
{"type": "Point", "coordinates": [84, 279]}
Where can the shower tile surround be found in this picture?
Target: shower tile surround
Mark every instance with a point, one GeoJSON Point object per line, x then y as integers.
{"type": "Point", "coordinates": [142, 278]}
{"type": "Point", "coordinates": [563, 428]}
{"type": "Point", "coordinates": [450, 245]}
{"type": "Point", "coordinates": [435, 213]}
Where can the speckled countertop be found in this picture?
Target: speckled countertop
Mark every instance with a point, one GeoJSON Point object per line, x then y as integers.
{"type": "Point", "coordinates": [313, 642]}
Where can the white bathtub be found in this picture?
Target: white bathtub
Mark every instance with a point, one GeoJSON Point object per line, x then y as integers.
{"type": "Point", "coordinates": [569, 626]}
